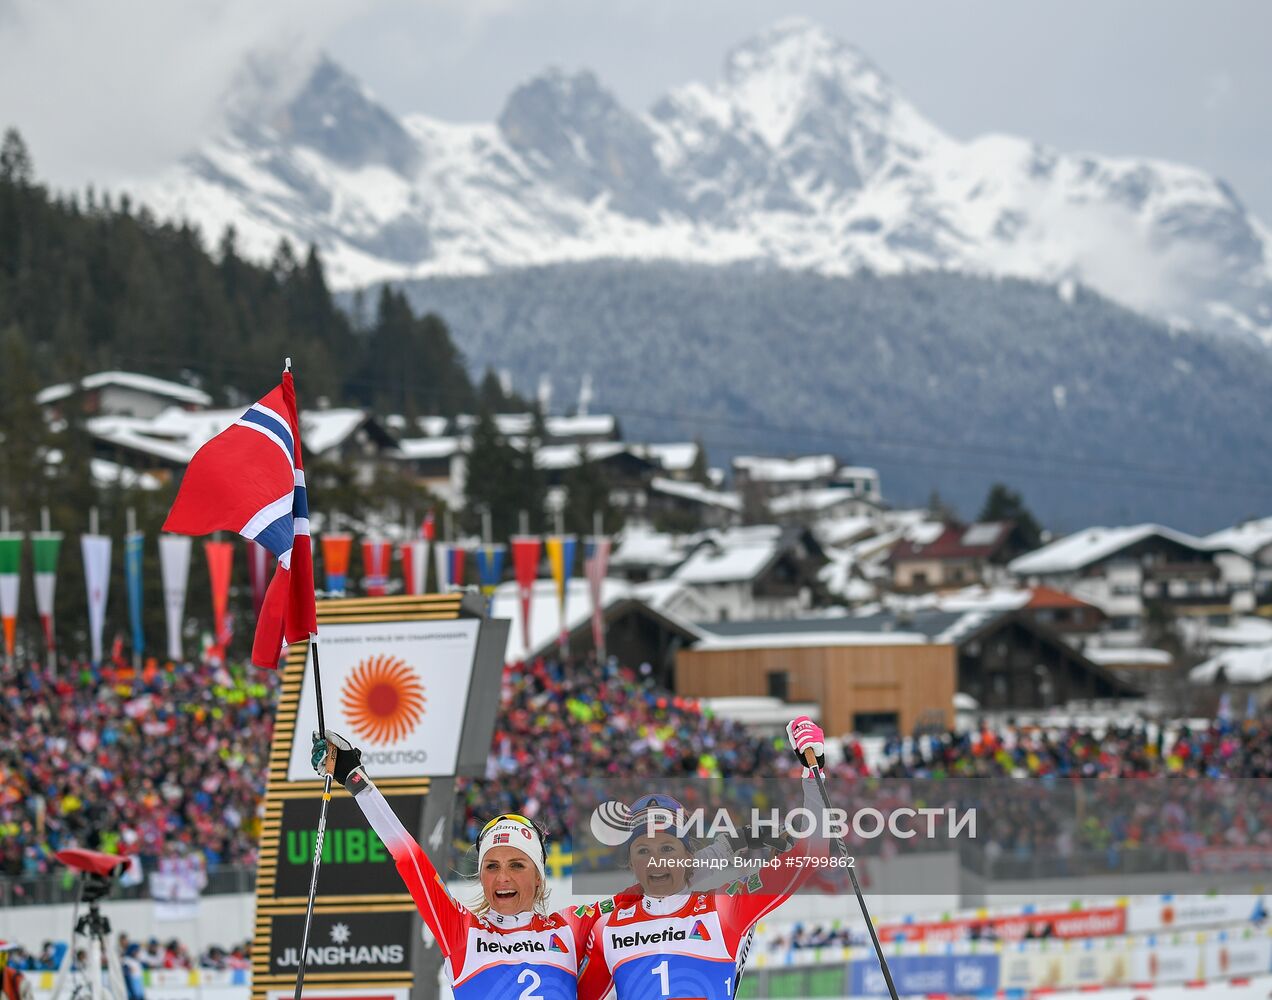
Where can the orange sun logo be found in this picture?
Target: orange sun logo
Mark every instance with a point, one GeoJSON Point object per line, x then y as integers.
{"type": "Point", "coordinates": [383, 700]}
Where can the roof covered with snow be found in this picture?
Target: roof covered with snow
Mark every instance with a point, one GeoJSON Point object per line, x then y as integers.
{"type": "Point", "coordinates": [1247, 538]}
{"type": "Point", "coordinates": [696, 493]}
{"type": "Point", "coordinates": [674, 456]}
{"type": "Point", "coordinates": [732, 556]}
{"type": "Point", "coordinates": [956, 541]}
{"type": "Point", "coordinates": [814, 501]}
{"type": "Point", "coordinates": [1084, 548]}
{"type": "Point", "coordinates": [176, 434]}
{"type": "Point", "coordinates": [641, 545]}
{"type": "Point", "coordinates": [785, 470]}
{"type": "Point", "coordinates": [545, 612]}
{"type": "Point", "coordinates": [432, 447]}
{"type": "Point", "coordinates": [1128, 656]}
{"type": "Point", "coordinates": [1251, 665]}
{"type": "Point", "coordinates": [127, 380]}
{"type": "Point", "coordinates": [566, 456]}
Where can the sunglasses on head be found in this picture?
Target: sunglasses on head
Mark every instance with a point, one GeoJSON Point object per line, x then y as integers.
{"type": "Point", "coordinates": [516, 818]}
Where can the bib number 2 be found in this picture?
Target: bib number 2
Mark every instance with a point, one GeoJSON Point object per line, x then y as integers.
{"type": "Point", "coordinates": [531, 978]}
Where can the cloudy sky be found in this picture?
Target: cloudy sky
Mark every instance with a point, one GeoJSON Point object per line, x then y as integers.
{"type": "Point", "coordinates": [109, 91]}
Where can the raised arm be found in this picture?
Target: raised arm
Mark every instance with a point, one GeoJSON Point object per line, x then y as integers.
{"type": "Point", "coordinates": [445, 917]}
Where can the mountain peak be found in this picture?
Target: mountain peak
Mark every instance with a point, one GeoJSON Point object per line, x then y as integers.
{"type": "Point", "coordinates": [794, 66]}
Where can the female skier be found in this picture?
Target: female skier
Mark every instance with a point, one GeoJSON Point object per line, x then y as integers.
{"type": "Point", "coordinates": [672, 941]}
{"type": "Point", "coordinates": [506, 947]}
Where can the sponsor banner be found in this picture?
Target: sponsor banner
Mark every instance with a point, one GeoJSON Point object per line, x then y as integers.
{"type": "Point", "coordinates": [354, 861]}
{"type": "Point", "coordinates": [356, 943]}
{"type": "Point", "coordinates": [1237, 954]}
{"type": "Point", "coordinates": [1097, 963]}
{"type": "Point", "coordinates": [402, 690]}
{"type": "Point", "coordinates": [1166, 913]}
{"type": "Point", "coordinates": [323, 992]}
{"type": "Point", "coordinates": [220, 556]}
{"type": "Point", "coordinates": [1094, 922]}
{"type": "Point", "coordinates": [560, 550]}
{"type": "Point", "coordinates": [1167, 962]}
{"type": "Point", "coordinates": [1224, 860]}
{"type": "Point", "coordinates": [926, 974]}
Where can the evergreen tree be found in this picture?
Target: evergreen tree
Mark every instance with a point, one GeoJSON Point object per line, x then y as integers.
{"type": "Point", "coordinates": [492, 482]}
{"type": "Point", "coordinates": [699, 471]}
{"type": "Point", "coordinates": [1004, 504]}
{"type": "Point", "coordinates": [587, 494]}
{"type": "Point", "coordinates": [15, 160]}
{"type": "Point", "coordinates": [940, 509]}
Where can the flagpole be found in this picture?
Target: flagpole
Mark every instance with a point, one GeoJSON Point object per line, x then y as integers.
{"type": "Point", "coordinates": [322, 812]}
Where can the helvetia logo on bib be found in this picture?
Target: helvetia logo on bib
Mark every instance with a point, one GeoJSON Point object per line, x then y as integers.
{"type": "Point", "coordinates": [699, 932]}
{"type": "Point", "coordinates": [383, 700]}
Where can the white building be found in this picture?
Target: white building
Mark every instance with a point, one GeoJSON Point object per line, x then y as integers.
{"type": "Point", "coordinates": [1124, 570]}
{"type": "Point", "coordinates": [758, 572]}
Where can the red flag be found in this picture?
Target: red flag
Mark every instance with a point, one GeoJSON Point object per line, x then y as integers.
{"type": "Point", "coordinates": [250, 479]}
{"type": "Point", "coordinates": [525, 565]}
{"type": "Point", "coordinates": [220, 565]}
{"type": "Point", "coordinates": [377, 554]}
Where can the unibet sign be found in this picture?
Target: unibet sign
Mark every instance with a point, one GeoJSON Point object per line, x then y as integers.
{"type": "Point", "coordinates": [354, 861]}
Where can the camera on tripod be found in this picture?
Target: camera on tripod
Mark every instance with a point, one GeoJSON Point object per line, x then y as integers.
{"type": "Point", "coordinates": [98, 874]}
{"type": "Point", "coordinates": [99, 871]}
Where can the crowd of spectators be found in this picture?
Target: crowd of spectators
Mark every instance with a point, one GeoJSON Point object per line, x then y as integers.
{"type": "Point", "coordinates": [1224, 748]}
{"type": "Point", "coordinates": [560, 723]}
{"type": "Point", "coordinates": [171, 761]}
{"type": "Point", "coordinates": [152, 763]}
{"type": "Point", "coordinates": [135, 956]}
{"type": "Point", "coordinates": [1072, 820]}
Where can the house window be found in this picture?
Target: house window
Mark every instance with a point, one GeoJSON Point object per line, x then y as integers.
{"type": "Point", "coordinates": [876, 724]}
{"type": "Point", "coordinates": [918, 579]}
{"type": "Point", "coordinates": [779, 684]}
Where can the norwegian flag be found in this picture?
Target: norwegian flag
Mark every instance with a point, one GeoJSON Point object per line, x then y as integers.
{"type": "Point", "coordinates": [250, 479]}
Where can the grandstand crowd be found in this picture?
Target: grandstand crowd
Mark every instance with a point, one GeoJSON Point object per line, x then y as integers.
{"type": "Point", "coordinates": [136, 957]}
{"type": "Point", "coordinates": [172, 760]}
{"type": "Point", "coordinates": [153, 763]}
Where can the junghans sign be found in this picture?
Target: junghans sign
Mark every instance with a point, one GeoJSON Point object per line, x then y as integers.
{"type": "Point", "coordinates": [343, 942]}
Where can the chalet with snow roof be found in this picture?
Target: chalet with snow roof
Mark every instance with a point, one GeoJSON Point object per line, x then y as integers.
{"type": "Point", "coordinates": [1124, 571]}
{"type": "Point", "coordinates": [1243, 554]}
{"type": "Point", "coordinates": [757, 572]}
{"type": "Point", "coordinates": [959, 556]}
{"type": "Point", "coordinates": [121, 394]}
{"type": "Point", "coordinates": [768, 476]}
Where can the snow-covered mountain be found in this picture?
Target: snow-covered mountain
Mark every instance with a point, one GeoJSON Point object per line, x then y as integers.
{"type": "Point", "coordinates": [802, 156]}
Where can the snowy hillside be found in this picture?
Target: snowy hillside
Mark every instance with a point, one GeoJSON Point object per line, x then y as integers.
{"type": "Point", "coordinates": [802, 156]}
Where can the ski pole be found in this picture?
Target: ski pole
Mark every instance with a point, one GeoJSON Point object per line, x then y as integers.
{"type": "Point", "coordinates": [322, 829]}
{"type": "Point", "coordinates": [811, 759]}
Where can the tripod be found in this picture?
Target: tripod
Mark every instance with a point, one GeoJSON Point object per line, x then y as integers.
{"type": "Point", "coordinates": [86, 983]}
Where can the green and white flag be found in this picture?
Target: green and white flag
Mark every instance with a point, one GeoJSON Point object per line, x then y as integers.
{"type": "Point", "coordinates": [10, 564]}
{"type": "Point", "coordinates": [46, 545]}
